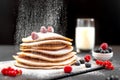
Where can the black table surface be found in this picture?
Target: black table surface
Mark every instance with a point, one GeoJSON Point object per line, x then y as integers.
{"type": "Point", "coordinates": [6, 52]}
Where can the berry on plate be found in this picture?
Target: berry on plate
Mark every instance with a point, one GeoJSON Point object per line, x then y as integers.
{"type": "Point", "coordinates": [67, 69]}
{"type": "Point", "coordinates": [82, 61]}
{"type": "Point", "coordinates": [9, 71]}
{"type": "Point", "coordinates": [87, 65]}
{"type": "Point", "coordinates": [77, 63]}
{"type": "Point", "coordinates": [87, 58]}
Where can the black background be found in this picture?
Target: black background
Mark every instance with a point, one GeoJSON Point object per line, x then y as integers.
{"type": "Point", "coordinates": [8, 15]}
{"type": "Point", "coordinates": [105, 12]}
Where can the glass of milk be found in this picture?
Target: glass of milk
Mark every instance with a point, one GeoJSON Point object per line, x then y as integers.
{"type": "Point", "coordinates": [85, 34]}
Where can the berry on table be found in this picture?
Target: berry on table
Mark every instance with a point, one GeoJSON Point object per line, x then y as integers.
{"type": "Point", "coordinates": [107, 64]}
{"type": "Point", "coordinates": [67, 69]}
{"type": "Point", "coordinates": [97, 62]}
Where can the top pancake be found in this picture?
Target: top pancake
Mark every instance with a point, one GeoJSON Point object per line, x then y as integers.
{"type": "Point", "coordinates": [46, 36]}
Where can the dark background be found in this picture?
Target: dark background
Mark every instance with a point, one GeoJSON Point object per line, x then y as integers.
{"type": "Point", "coordinates": [105, 12]}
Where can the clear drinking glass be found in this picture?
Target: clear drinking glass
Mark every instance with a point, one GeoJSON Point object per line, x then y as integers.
{"type": "Point", "coordinates": [85, 34]}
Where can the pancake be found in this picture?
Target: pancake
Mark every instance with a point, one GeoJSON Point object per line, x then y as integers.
{"type": "Point", "coordinates": [45, 50]}
{"type": "Point", "coordinates": [63, 51]}
{"type": "Point", "coordinates": [45, 47]}
{"type": "Point", "coordinates": [40, 67]}
{"type": "Point", "coordinates": [46, 57]}
{"type": "Point", "coordinates": [38, 63]}
{"type": "Point", "coordinates": [46, 42]}
{"type": "Point", "coordinates": [46, 36]}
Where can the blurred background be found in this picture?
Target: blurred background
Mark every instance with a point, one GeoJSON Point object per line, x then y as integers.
{"type": "Point", "coordinates": [105, 12]}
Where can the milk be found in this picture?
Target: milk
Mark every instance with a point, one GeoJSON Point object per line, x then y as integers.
{"type": "Point", "coordinates": [84, 38]}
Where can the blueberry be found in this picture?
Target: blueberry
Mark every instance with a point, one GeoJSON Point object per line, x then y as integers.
{"type": "Point", "coordinates": [110, 49]}
{"type": "Point", "coordinates": [100, 49]}
{"type": "Point", "coordinates": [107, 51]}
{"type": "Point", "coordinates": [77, 63]}
{"type": "Point", "coordinates": [104, 51]}
{"type": "Point", "coordinates": [87, 65]}
{"type": "Point", "coordinates": [82, 61]}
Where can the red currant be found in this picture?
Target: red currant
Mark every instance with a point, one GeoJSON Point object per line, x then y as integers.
{"type": "Point", "coordinates": [97, 62]}
{"type": "Point", "coordinates": [112, 67]}
{"type": "Point", "coordinates": [101, 63]}
{"type": "Point", "coordinates": [11, 72]}
{"type": "Point", "coordinates": [107, 64]}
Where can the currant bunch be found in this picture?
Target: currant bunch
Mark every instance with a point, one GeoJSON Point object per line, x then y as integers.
{"type": "Point", "coordinates": [9, 71]}
{"type": "Point", "coordinates": [107, 64]}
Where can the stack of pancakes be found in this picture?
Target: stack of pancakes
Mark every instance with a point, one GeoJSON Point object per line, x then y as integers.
{"type": "Point", "coordinates": [49, 51]}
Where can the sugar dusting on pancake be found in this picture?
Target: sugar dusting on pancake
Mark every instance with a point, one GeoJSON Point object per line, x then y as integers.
{"type": "Point", "coordinates": [45, 50]}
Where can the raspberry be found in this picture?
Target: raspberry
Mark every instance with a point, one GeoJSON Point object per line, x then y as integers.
{"type": "Point", "coordinates": [43, 29]}
{"type": "Point", "coordinates": [67, 69]}
{"type": "Point", "coordinates": [87, 58]}
{"type": "Point", "coordinates": [50, 29]}
{"type": "Point", "coordinates": [104, 46]}
{"type": "Point", "coordinates": [34, 35]}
